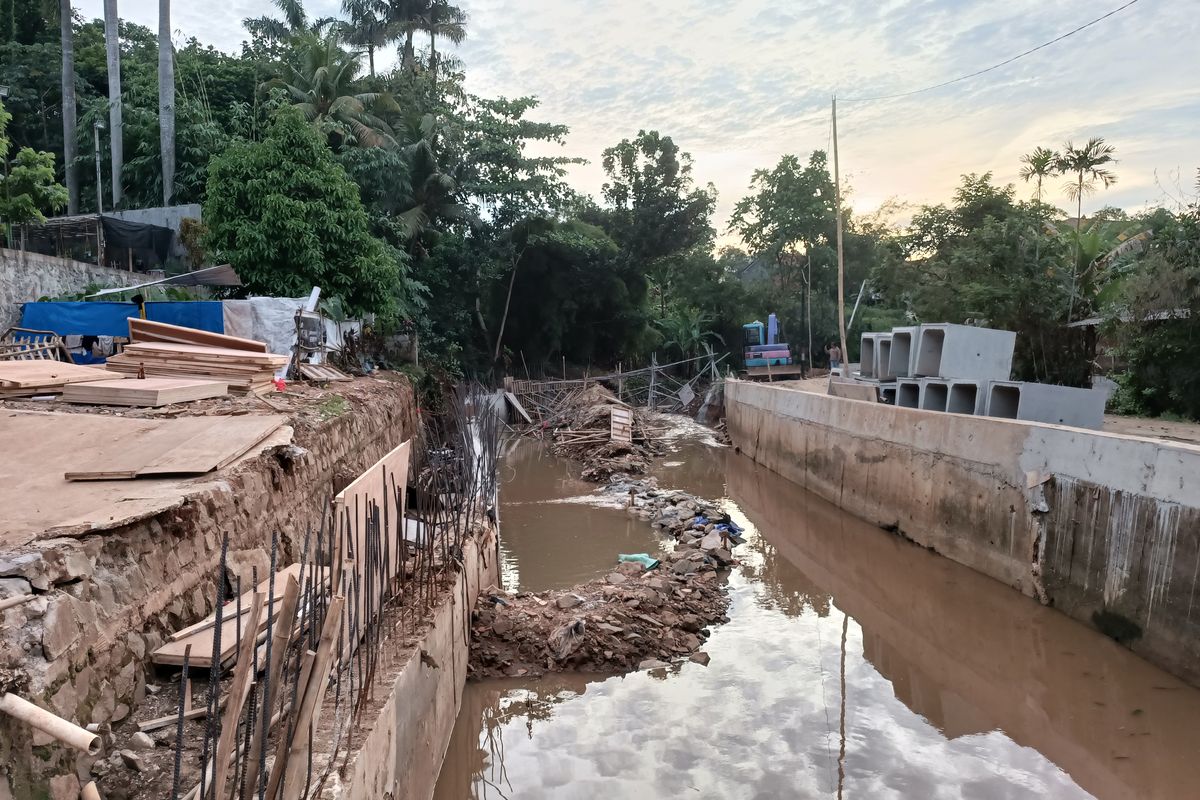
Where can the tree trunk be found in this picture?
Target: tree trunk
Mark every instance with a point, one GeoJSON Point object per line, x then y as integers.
{"type": "Point", "coordinates": [166, 100]}
{"type": "Point", "coordinates": [68, 103]}
{"type": "Point", "coordinates": [371, 58]}
{"type": "Point", "coordinates": [112, 45]}
{"type": "Point", "coordinates": [507, 300]}
{"type": "Point", "coordinates": [433, 62]}
{"type": "Point", "coordinates": [409, 57]}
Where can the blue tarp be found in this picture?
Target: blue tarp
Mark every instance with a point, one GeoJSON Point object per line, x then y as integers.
{"type": "Point", "coordinates": [109, 319]}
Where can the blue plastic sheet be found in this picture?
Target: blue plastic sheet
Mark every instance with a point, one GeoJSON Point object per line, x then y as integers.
{"type": "Point", "coordinates": [110, 319]}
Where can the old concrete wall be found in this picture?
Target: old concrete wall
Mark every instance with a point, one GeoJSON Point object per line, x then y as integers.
{"type": "Point", "coordinates": [26, 276]}
{"type": "Point", "coordinates": [401, 752]}
{"type": "Point", "coordinates": [105, 601]}
{"type": "Point", "coordinates": [1104, 527]}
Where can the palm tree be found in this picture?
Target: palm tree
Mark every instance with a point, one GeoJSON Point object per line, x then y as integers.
{"type": "Point", "coordinates": [166, 100]}
{"type": "Point", "coordinates": [366, 28]}
{"type": "Point", "coordinates": [404, 18]}
{"type": "Point", "coordinates": [447, 21]}
{"type": "Point", "coordinates": [1039, 165]}
{"type": "Point", "coordinates": [687, 331]}
{"type": "Point", "coordinates": [436, 194]}
{"type": "Point", "coordinates": [321, 89]}
{"type": "Point", "coordinates": [295, 22]}
{"type": "Point", "coordinates": [66, 22]}
{"type": "Point", "coordinates": [1088, 163]}
{"type": "Point", "coordinates": [112, 46]}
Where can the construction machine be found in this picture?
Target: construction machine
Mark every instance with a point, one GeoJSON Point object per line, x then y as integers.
{"type": "Point", "coordinates": [765, 356]}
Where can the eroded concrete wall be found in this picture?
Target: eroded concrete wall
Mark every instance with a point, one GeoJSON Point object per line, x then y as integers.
{"type": "Point", "coordinates": [400, 754]}
{"type": "Point", "coordinates": [105, 601]}
{"type": "Point", "coordinates": [1104, 527]}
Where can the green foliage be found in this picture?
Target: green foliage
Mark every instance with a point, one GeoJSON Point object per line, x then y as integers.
{"type": "Point", "coordinates": [27, 187]}
{"type": "Point", "coordinates": [284, 213]}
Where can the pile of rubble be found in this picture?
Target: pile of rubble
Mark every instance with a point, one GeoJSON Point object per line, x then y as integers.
{"type": "Point", "coordinates": [580, 427]}
{"type": "Point", "coordinates": [634, 618]}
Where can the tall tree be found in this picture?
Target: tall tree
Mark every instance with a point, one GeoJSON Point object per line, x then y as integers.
{"type": "Point", "coordinates": [1042, 163]}
{"type": "Point", "coordinates": [66, 24]}
{"type": "Point", "coordinates": [1089, 164]}
{"type": "Point", "coordinates": [447, 21]}
{"type": "Point", "coordinates": [366, 28]}
{"type": "Point", "coordinates": [112, 47]}
{"type": "Point", "coordinates": [166, 100]}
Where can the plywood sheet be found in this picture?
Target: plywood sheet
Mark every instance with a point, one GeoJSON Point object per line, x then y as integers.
{"type": "Point", "coordinates": [34, 377]}
{"type": "Point", "coordinates": [184, 446]}
{"type": "Point", "coordinates": [520, 409]}
{"type": "Point", "coordinates": [144, 330]}
{"type": "Point", "coordinates": [621, 425]}
{"type": "Point", "coordinates": [145, 392]}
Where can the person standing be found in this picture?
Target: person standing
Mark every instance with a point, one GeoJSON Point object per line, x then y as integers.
{"type": "Point", "coordinates": [835, 356]}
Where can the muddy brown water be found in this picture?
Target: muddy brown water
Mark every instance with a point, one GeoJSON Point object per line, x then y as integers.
{"type": "Point", "coordinates": [855, 665]}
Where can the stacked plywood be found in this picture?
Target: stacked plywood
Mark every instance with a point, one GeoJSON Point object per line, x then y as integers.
{"type": "Point", "coordinates": [143, 392]}
{"type": "Point", "coordinates": [29, 378]}
{"type": "Point", "coordinates": [170, 351]}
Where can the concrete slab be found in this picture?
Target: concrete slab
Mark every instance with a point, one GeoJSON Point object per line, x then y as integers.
{"type": "Point", "coordinates": [1043, 402]}
{"type": "Point", "coordinates": [964, 351]}
{"type": "Point", "coordinates": [903, 350]}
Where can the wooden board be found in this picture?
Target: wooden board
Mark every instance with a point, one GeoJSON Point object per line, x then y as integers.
{"type": "Point", "coordinates": [197, 352]}
{"type": "Point", "coordinates": [520, 409]}
{"type": "Point", "coordinates": [144, 330]}
{"type": "Point", "coordinates": [25, 378]}
{"type": "Point", "coordinates": [144, 392]}
{"type": "Point", "coordinates": [184, 446]}
{"type": "Point", "coordinates": [621, 428]}
{"type": "Point", "coordinates": [201, 636]}
{"type": "Point", "coordinates": [323, 372]}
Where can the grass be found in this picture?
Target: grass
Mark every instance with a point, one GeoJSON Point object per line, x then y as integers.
{"type": "Point", "coordinates": [333, 406]}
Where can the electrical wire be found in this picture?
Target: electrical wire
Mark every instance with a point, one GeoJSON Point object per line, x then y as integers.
{"type": "Point", "coordinates": [1003, 63]}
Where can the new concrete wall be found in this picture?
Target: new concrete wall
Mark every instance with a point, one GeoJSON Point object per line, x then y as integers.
{"type": "Point", "coordinates": [25, 276]}
{"type": "Point", "coordinates": [1106, 528]}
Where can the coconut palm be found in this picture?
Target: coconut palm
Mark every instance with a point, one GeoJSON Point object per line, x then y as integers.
{"type": "Point", "coordinates": [1038, 165]}
{"type": "Point", "coordinates": [166, 100]}
{"type": "Point", "coordinates": [1087, 163]}
{"type": "Point", "coordinates": [367, 27]}
{"type": "Point", "coordinates": [66, 20]}
{"type": "Point", "coordinates": [112, 46]}
{"type": "Point", "coordinates": [687, 330]}
{"type": "Point", "coordinates": [295, 22]}
{"type": "Point", "coordinates": [435, 193]}
{"type": "Point", "coordinates": [321, 89]}
{"type": "Point", "coordinates": [449, 22]}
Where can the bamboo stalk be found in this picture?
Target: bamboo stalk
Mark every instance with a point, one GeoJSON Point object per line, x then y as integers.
{"type": "Point", "coordinates": [244, 673]}
{"type": "Point", "coordinates": [313, 693]}
{"type": "Point", "coordinates": [90, 792]}
{"type": "Point", "coordinates": [279, 643]}
{"type": "Point", "coordinates": [51, 724]}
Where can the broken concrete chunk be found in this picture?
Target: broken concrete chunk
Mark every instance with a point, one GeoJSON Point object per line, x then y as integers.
{"type": "Point", "coordinates": [652, 663]}
{"type": "Point", "coordinates": [132, 760]}
{"type": "Point", "coordinates": [568, 601]}
{"type": "Point", "coordinates": [64, 787]}
{"type": "Point", "coordinates": [617, 579]}
{"type": "Point", "coordinates": [61, 629]}
{"type": "Point", "coordinates": [140, 741]}
{"type": "Point", "coordinates": [702, 658]}
{"type": "Point", "coordinates": [241, 564]}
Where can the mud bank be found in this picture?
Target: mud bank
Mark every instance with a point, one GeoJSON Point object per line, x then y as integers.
{"type": "Point", "coordinates": [1104, 527]}
{"type": "Point", "coordinates": [634, 617]}
{"type": "Point", "coordinates": [106, 598]}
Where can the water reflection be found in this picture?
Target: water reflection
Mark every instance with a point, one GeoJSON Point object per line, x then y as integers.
{"type": "Point", "coordinates": [855, 664]}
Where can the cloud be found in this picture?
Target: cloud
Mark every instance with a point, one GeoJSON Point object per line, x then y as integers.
{"type": "Point", "coordinates": [738, 84]}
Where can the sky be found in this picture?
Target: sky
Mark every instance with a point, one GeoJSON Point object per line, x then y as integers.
{"type": "Point", "coordinates": [738, 83]}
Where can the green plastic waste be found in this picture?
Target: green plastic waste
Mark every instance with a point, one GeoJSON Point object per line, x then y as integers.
{"type": "Point", "coordinates": [639, 558]}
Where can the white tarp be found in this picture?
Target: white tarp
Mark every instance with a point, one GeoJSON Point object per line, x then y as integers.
{"type": "Point", "coordinates": [273, 320]}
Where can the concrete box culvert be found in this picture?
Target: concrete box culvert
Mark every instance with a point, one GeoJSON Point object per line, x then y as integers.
{"type": "Point", "coordinates": [902, 351]}
{"type": "Point", "coordinates": [1043, 402]}
{"type": "Point", "coordinates": [908, 394]}
{"type": "Point", "coordinates": [866, 355]}
{"type": "Point", "coordinates": [884, 370]}
{"type": "Point", "coordinates": [964, 351]}
{"type": "Point", "coordinates": [966, 397]}
{"type": "Point", "coordinates": [934, 395]}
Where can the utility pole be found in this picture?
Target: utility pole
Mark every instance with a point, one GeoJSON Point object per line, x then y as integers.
{"type": "Point", "coordinates": [837, 196]}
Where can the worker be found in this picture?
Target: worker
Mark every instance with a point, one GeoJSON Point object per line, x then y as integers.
{"type": "Point", "coordinates": [835, 355]}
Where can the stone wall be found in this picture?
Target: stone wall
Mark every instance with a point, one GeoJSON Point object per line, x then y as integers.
{"type": "Point", "coordinates": [25, 276]}
{"type": "Point", "coordinates": [105, 601]}
{"type": "Point", "coordinates": [1104, 527]}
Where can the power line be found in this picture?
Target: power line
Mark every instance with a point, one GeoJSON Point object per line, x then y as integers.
{"type": "Point", "coordinates": [1003, 63]}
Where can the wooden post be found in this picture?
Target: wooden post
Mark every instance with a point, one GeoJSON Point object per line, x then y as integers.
{"type": "Point", "coordinates": [653, 378]}
{"type": "Point", "coordinates": [237, 696]}
{"type": "Point", "coordinates": [837, 194]}
{"type": "Point", "coordinates": [620, 383]}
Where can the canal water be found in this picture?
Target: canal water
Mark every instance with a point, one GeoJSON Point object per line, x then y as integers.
{"type": "Point", "coordinates": [855, 665]}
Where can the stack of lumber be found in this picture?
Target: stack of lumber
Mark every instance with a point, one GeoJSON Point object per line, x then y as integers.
{"type": "Point", "coordinates": [171, 351]}
{"type": "Point", "coordinates": [29, 378]}
{"type": "Point", "coordinates": [142, 392]}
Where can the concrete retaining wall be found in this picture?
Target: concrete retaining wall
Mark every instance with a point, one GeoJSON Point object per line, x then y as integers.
{"type": "Point", "coordinates": [1104, 527]}
{"type": "Point", "coordinates": [400, 753]}
{"type": "Point", "coordinates": [26, 276]}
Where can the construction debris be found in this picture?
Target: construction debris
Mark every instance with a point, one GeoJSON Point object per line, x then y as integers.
{"type": "Point", "coordinates": [630, 617]}
{"type": "Point", "coordinates": [42, 376]}
{"type": "Point", "coordinates": [243, 371]}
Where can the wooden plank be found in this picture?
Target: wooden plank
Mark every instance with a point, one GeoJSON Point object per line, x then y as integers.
{"type": "Point", "coordinates": [41, 374]}
{"type": "Point", "coordinates": [144, 330]}
{"type": "Point", "coordinates": [238, 692]}
{"type": "Point", "coordinates": [621, 425]}
{"type": "Point", "coordinates": [280, 637]}
{"type": "Point", "coordinates": [195, 352]}
{"type": "Point", "coordinates": [516, 404]}
{"type": "Point", "coordinates": [323, 372]}
{"type": "Point", "coordinates": [149, 392]}
{"type": "Point", "coordinates": [184, 446]}
{"type": "Point", "coordinates": [313, 694]}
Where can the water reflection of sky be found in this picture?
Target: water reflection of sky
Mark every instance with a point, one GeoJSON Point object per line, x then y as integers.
{"type": "Point", "coordinates": [761, 721]}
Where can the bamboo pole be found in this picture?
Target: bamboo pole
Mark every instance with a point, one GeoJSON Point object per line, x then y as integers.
{"type": "Point", "coordinates": [837, 194]}
{"type": "Point", "coordinates": [90, 792]}
{"type": "Point", "coordinates": [282, 635]}
{"type": "Point", "coordinates": [9, 602]}
{"type": "Point", "coordinates": [51, 724]}
{"type": "Point", "coordinates": [237, 696]}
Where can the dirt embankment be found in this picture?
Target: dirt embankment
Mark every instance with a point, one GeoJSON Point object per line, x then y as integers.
{"type": "Point", "coordinates": [634, 617]}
